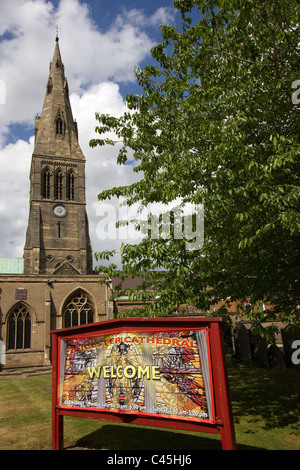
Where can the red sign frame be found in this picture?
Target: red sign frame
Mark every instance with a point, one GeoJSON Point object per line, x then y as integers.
{"type": "Point", "coordinates": [220, 420]}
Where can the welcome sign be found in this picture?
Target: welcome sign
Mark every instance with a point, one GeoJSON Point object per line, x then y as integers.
{"type": "Point", "coordinates": [164, 373]}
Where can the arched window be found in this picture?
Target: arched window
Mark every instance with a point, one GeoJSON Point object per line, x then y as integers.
{"type": "Point", "coordinates": [19, 328]}
{"type": "Point", "coordinates": [58, 185]}
{"type": "Point", "coordinates": [70, 185]}
{"type": "Point", "coordinates": [78, 311]}
{"type": "Point", "coordinates": [59, 229]}
{"type": "Point", "coordinates": [60, 125]}
{"type": "Point", "coordinates": [46, 183]}
{"type": "Point", "coordinates": [49, 86]}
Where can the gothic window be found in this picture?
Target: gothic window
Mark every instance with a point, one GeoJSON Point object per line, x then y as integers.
{"type": "Point", "coordinates": [78, 310]}
{"type": "Point", "coordinates": [49, 86]}
{"type": "Point", "coordinates": [60, 125]}
{"type": "Point", "coordinates": [58, 185]}
{"type": "Point", "coordinates": [66, 88]}
{"type": "Point", "coordinates": [46, 183]}
{"type": "Point", "coordinates": [19, 328]}
{"type": "Point", "coordinates": [59, 229]}
{"type": "Point", "coordinates": [70, 185]}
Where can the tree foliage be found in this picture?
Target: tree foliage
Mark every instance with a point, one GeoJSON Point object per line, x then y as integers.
{"type": "Point", "coordinates": [218, 124]}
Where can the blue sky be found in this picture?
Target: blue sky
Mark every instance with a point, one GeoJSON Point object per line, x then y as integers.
{"type": "Point", "coordinates": [101, 41]}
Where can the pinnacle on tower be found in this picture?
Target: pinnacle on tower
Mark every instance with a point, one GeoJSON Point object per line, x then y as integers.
{"type": "Point", "coordinates": [56, 131]}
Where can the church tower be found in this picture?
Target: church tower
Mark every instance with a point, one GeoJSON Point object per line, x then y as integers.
{"type": "Point", "coordinates": [57, 239]}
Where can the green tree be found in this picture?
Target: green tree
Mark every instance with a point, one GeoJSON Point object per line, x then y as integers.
{"type": "Point", "coordinates": [218, 124]}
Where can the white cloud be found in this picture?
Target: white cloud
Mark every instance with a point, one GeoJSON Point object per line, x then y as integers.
{"type": "Point", "coordinates": [94, 60]}
{"type": "Point", "coordinates": [102, 171]}
{"type": "Point", "coordinates": [90, 56]}
{"type": "Point", "coordinates": [14, 196]}
{"type": "Point", "coordinates": [162, 15]}
{"type": "Point", "coordinates": [23, 58]}
{"type": "Point", "coordinates": [93, 56]}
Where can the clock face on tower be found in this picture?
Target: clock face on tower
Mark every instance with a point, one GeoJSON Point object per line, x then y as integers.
{"type": "Point", "coordinates": [59, 211]}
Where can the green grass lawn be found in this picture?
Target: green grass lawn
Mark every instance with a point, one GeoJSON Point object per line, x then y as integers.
{"type": "Point", "coordinates": [266, 410]}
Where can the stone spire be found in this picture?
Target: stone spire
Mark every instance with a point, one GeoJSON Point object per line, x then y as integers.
{"type": "Point", "coordinates": [57, 237]}
{"type": "Point", "coordinates": [55, 130]}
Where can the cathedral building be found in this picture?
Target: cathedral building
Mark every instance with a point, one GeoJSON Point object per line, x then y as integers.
{"type": "Point", "coordinates": [53, 286]}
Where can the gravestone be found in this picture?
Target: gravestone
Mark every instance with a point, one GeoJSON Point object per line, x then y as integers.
{"type": "Point", "coordinates": [276, 357]}
{"type": "Point", "coordinates": [242, 343]}
{"type": "Point", "coordinates": [259, 350]}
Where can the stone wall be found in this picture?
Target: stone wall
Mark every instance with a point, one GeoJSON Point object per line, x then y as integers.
{"type": "Point", "coordinates": [45, 298]}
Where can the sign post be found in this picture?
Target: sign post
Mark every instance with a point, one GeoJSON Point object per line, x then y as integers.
{"type": "Point", "coordinates": [163, 372]}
